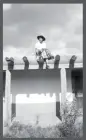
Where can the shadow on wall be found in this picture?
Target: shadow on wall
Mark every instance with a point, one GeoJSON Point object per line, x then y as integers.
{"type": "Point", "coordinates": [36, 81]}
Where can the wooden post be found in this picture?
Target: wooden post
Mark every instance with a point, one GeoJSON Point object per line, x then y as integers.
{"type": "Point", "coordinates": [8, 96]}
{"type": "Point", "coordinates": [63, 91]}
{"type": "Point", "coordinates": [63, 85]}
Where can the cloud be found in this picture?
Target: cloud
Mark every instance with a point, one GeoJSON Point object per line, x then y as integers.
{"type": "Point", "coordinates": [16, 52]}
{"type": "Point", "coordinates": [61, 24]}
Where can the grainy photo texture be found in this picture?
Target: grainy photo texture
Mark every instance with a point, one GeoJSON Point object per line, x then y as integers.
{"type": "Point", "coordinates": [42, 70]}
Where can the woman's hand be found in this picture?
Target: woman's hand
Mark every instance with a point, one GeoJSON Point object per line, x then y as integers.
{"type": "Point", "coordinates": [43, 49]}
{"type": "Point", "coordinates": [36, 51]}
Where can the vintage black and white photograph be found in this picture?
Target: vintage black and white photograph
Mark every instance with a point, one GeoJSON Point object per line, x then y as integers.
{"type": "Point", "coordinates": [42, 70]}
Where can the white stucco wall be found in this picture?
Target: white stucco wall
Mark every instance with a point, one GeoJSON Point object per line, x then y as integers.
{"type": "Point", "coordinates": [36, 82]}
{"type": "Point", "coordinates": [42, 88]}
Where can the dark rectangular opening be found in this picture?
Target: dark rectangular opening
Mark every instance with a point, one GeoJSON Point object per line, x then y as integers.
{"type": "Point", "coordinates": [77, 81]}
{"type": "Point", "coordinates": [77, 85]}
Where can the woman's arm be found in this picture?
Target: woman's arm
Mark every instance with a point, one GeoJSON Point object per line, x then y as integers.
{"type": "Point", "coordinates": [36, 51]}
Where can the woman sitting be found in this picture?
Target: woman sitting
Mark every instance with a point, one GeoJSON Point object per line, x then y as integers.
{"type": "Point", "coordinates": [42, 53]}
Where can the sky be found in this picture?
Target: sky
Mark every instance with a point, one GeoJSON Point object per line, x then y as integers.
{"type": "Point", "coordinates": [61, 24]}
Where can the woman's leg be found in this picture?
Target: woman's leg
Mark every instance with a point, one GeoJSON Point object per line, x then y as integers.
{"type": "Point", "coordinates": [46, 61]}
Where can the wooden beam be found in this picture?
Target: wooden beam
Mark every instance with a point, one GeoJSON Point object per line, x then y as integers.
{"type": "Point", "coordinates": [72, 61]}
{"type": "Point", "coordinates": [10, 62]}
{"type": "Point", "coordinates": [8, 96]}
{"type": "Point", "coordinates": [56, 62]}
{"type": "Point", "coordinates": [26, 62]}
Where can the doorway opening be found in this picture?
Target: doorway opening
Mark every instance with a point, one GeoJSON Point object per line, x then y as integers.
{"type": "Point", "coordinates": [77, 85]}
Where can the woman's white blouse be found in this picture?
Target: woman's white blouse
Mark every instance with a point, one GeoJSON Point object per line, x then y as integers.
{"type": "Point", "coordinates": [40, 46]}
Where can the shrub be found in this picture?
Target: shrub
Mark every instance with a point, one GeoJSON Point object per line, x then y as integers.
{"type": "Point", "coordinates": [18, 130]}
{"type": "Point", "coordinates": [69, 115]}
{"type": "Point", "coordinates": [69, 111]}
{"type": "Point", "coordinates": [71, 126]}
